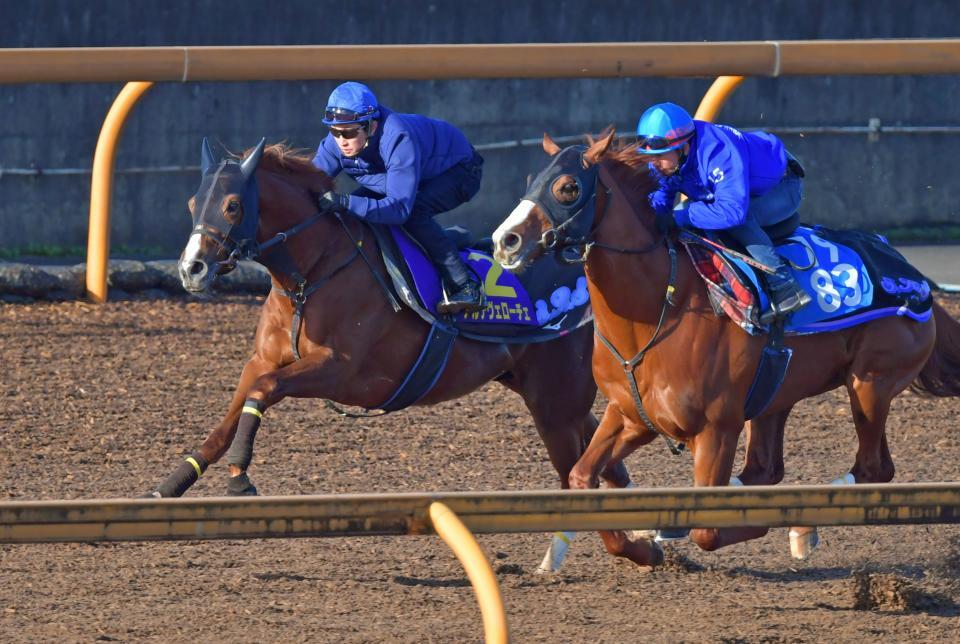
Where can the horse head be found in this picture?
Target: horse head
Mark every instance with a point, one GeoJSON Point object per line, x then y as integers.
{"type": "Point", "coordinates": [226, 218]}
{"type": "Point", "coordinates": [558, 210]}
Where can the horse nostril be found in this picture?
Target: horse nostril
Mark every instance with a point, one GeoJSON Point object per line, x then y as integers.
{"type": "Point", "coordinates": [512, 241]}
{"type": "Point", "coordinates": [197, 268]}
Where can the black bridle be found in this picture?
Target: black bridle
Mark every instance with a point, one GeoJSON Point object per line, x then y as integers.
{"type": "Point", "coordinates": [238, 240]}
{"type": "Point", "coordinates": [573, 226]}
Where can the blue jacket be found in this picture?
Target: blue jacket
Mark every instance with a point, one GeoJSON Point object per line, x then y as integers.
{"type": "Point", "coordinates": [724, 169]}
{"type": "Point", "coordinates": [405, 150]}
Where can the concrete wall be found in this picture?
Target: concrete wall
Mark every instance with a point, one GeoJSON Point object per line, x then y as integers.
{"type": "Point", "coordinates": [852, 182]}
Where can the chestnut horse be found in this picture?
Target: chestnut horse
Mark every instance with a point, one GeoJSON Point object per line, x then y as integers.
{"type": "Point", "coordinates": [355, 345]}
{"type": "Point", "coordinates": [693, 370]}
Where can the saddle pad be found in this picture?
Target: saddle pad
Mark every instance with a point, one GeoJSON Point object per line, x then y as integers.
{"type": "Point", "coordinates": [543, 303]}
{"type": "Point", "coordinates": [851, 276]}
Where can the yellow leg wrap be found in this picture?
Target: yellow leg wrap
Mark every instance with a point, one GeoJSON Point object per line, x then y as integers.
{"type": "Point", "coordinates": [196, 465]}
{"type": "Point", "coordinates": [252, 410]}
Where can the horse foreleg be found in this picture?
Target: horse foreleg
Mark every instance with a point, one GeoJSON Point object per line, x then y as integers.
{"type": "Point", "coordinates": [217, 442]}
{"type": "Point", "coordinates": [612, 442]}
{"type": "Point", "coordinates": [763, 464]}
{"type": "Point", "coordinates": [304, 378]}
{"type": "Point", "coordinates": [714, 450]}
{"type": "Point", "coordinates": [614, 475]}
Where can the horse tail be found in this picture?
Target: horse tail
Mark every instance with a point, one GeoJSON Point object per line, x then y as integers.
{"type": "Point", "coordinates": [940, 376]}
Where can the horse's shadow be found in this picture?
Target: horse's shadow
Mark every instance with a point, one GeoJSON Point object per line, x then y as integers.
{"type": "Point", "coordinates": [403, 580]}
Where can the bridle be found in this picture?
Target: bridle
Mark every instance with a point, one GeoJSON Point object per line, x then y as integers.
{"type": "Point", "coordinates": [573, 225]}
{"type": "Point", "coordinates": [238, 240]}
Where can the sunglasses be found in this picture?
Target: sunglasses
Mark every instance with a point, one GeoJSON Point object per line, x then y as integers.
{"type": "Point", "coordinates": [658, 142]}
{"type": "Point", "coordinates": [345, 116]}
{"type": "Point", "coordinates": [346, 134]}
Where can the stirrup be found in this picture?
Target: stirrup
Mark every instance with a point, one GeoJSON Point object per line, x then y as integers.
{"type": "Point", "coordinates": [446, 307]}
{"type": "Point", "coordinates": [796, 301]}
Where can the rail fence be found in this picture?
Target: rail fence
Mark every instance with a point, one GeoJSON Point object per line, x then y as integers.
{"type": "Point", "coordinates": [456, 516]}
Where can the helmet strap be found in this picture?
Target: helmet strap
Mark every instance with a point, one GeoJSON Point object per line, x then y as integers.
{"type": "Point", "coordinates": [684, 149]}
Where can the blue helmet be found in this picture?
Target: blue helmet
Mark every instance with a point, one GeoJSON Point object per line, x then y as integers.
{"type": "Point", "coordinates": [663, 127]}
{"type": "Point", "coordinates": [351, 103]}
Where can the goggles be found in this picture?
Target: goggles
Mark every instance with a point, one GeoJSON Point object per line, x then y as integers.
{"type": "Point", "coordinates": [659, 142]}
{"type": "Point", "coordinates": [347, 134]}
{"type": "Point", "coordinates": [346, 116]}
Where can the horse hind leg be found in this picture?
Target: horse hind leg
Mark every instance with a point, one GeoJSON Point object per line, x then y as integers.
{"type": "Point", "coordinates": [870, 397]}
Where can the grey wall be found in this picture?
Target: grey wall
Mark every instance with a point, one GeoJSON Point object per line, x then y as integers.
{"type": "Point", "coordinates": [851, 182]}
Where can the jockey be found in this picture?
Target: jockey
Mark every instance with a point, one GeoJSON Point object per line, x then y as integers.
{"type": "Point", "coordinates": [410, 168]}
{"type": "Point", "coordinates": [734, 181]}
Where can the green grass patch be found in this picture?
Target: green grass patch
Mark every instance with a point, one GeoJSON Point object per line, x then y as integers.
{"type": "Point", "coordinates": [931, 234]}
{"type": "Point", "coordinates": [54, 251]}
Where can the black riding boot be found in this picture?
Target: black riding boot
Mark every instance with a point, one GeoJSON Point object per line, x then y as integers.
{"type": "Point", "coordinates": [466, 297]}
{"type": "Point", "coordinates": [786, 296]}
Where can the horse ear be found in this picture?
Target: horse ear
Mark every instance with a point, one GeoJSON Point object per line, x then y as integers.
{"type": "Point", "coordinates": [207, 160]}
{"type": "Point", "coordinates": [549, 146]}
{"type": "Point", "coordinates": [600, 147]}
{"type": "Point", "coordinates": [250, 163]}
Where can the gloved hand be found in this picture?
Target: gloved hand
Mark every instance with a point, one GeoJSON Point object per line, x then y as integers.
{"type": "Point", "coordinates": [330, 201]}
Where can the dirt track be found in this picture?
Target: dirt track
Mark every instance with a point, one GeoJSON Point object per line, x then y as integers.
{"type": "Point", "coordinates": [104, 401]}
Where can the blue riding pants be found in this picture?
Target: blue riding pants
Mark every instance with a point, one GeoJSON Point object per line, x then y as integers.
{"type": "Point", "coordinates": [778, 204]}
{"type": "Point", "coordinates": [443, 193]}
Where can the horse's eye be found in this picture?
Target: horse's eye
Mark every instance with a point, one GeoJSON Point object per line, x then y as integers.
{"type": "Point", "coordinates": [566, 190]}
{"type": "Point", "coordinates": [233, 206]}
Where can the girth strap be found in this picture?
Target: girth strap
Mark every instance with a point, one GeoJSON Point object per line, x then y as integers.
{"type": "Point", "coordinates": [771, 370]}
{"type": "Point", "coordinates": [421, 378]}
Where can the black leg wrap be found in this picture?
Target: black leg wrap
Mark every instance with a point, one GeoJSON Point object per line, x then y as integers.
{"type": "Point", "coordinates": [241, 449]}
{"type": "Point", "coordinates": [184, 476]}
{"type": "Point", "coordinates": [241, 486]}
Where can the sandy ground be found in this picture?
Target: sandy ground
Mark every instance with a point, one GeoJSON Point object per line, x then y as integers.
{"type": "Point", "coordinates": [103, 401]}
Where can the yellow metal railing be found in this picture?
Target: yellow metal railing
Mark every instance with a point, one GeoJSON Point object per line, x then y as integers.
{"type": "Point", "coordinates": [101, 189]}
{"type": "Point", "coordinates": [465, 547]}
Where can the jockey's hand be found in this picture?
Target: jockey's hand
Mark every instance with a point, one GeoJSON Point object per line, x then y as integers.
{"type": "Point", "coordinates": [330, 201]}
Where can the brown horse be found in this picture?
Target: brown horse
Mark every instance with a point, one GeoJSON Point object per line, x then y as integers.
{"type": "Point", "coordinates": [693, 369]}
{"type": "Point", "coordinates": [354, 346]}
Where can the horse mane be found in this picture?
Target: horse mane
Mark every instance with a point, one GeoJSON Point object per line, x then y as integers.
{"type": "Point", "coordinates": [636, 180]}
{"type": "Point", "coordinates": [296, 163]}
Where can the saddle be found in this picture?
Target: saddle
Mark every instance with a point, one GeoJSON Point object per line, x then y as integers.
{"type": "Point", "coordinates": [852, 276]}
{"type": "Point", "coordinates": [547, 301]}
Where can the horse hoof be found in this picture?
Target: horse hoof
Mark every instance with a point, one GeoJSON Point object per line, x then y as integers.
{"type": "Point", "coordinates": [803, 541]}
{"type": "Point", "coordinates": [241, 486]}
{"type": "Point", "coordinates": [671, 534]}
{"type": "Point", "coordinates": [647, 554]}
{"type": "Point", "coordinates": [151, 495]}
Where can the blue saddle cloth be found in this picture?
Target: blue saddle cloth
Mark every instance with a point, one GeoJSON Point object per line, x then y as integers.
{"type": "Point", "coordinates": [546, 301]}
{"type": "Point", "coordinates": [851, 276]}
